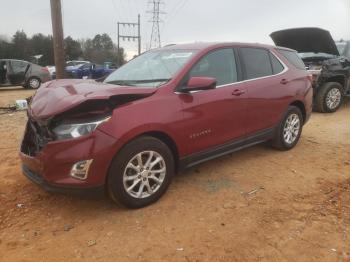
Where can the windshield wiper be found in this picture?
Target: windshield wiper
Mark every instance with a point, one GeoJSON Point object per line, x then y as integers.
{"type": "Point", "coordinates": [149, 80]}
{"type": "Point", "coordinates": [120, 83]}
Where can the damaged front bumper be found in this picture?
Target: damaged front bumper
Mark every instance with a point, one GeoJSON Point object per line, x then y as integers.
{"type": "Point", "coordinates": [38, 179]}
{"type": "Point", "coordinates": [50, 164]}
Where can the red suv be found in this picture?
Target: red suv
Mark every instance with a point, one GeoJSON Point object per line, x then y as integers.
{"type": "Point", "coordinates": [168, 109]}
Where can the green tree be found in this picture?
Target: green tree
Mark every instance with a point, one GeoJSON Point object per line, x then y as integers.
{"type": "Point", "coordinates": [21, 46]}
{"type": "Point", "coordinates": [42, 45]}
{"type": "Point", "coordinates": [98, 50]}
{"type": "Point", "coordinates": [101, 49]}
{"type": "Point", "coordinates": [72, 48]}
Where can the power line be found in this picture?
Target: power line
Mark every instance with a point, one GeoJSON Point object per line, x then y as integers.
{"type": "Point", "coordinates": [177, 9]}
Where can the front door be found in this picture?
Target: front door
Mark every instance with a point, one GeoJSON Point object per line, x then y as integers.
{"type": "Point", "coordinates": [217, 116]}
{"type": "Point", "coordinates": [3, 72]}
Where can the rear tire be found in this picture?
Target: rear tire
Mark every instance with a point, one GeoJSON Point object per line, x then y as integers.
{"type": "Point", "coordinates": [33, 83]}
{"type": "Point", "coordinates": [144, 165]}
{"type": "Point", "coordinates": [329, 97]}
{"type": "Point", "coordinates": [289, 129]}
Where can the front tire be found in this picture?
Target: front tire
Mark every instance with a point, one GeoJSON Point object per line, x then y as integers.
{"type": "Point", "coordinates": [329, 98]}
{"type": "Point", "coordinates": [289, 129]}
{"type": "Point", "coordinates": [141, 172]}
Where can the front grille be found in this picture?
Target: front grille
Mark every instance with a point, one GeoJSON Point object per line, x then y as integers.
{"type": "Point", "coordinates": [35, 138]}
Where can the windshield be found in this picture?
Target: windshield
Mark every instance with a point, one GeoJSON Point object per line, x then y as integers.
{"type": "Point", "coordinates": [150, 69]}
{"type": "Point", "coordinates": [341, 47]}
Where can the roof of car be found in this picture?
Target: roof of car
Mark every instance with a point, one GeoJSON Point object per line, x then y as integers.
{"type": "Point", "coordinates": [14, 60]}
{"type": "Point", "coordinates": [206, 45]}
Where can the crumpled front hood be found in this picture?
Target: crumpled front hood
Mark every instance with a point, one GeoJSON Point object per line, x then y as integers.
{"type": "Point", "coordinates": [58, 96]}
{"type": "Point", "coordinates": [305, 40]}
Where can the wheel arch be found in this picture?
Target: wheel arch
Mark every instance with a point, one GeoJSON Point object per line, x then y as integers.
{"type": "Point", "coordinates": [299, 104]}
{"type": "Point", "coordinates": [158, 134]}
{"type": "Point", "coordinates": [166, 139]}
{"type": "Point", "coordinates": [340, 79]}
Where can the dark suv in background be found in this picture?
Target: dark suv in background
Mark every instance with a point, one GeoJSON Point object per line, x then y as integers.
{"type": "Point", "coordinates": [166, 110]}
{"type": "Point", "coordinates": [329, 67]}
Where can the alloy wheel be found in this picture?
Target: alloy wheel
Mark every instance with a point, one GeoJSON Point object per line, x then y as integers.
{"type": "Point", "coordinates": [34, 83]}
{"type": "Point", "coordinates": [333, 98]}
{"type": "Point", "coordinates": [144, 174]}
{"type": "Point", "coordinates": [291, 128]}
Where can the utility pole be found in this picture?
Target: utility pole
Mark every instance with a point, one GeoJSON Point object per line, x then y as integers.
{"type": "Point", "coordinates": [58, 44]}
{"type": "Point", "coordinates": [129, 37]}
{"type": "Point", "coordinates": [155, 35]}
{"type": "Point", "coordinates": [139, 32]}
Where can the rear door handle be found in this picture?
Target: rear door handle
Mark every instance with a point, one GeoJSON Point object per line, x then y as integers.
{"type": "Point", "coordinates": [284, 81]}
{"type": "Point", "coordinates": [238, 92]}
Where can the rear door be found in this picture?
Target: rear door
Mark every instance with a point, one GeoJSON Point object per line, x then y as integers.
{"type": "Point", "coordinates": [217, 116]}
{"type": "Point", "coordinates": [17, 71]}
{"type": "Point", "coordinates": [265, 80]}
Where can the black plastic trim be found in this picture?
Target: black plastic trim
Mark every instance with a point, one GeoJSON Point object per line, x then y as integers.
{"type": "Point", "coordinates": [37, 179]}
{"type": "Point", "coordinates": [226, 148]}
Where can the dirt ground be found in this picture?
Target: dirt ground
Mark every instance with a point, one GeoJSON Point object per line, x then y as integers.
{"type": "Point", "coordinates": [255, 205]}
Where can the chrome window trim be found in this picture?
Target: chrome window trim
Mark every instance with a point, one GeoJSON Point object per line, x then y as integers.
{"type": "Point", "coordinates": [285, 69]}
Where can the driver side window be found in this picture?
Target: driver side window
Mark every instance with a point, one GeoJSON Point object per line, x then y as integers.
{"type": "Point", "coordinates": [219, 64]}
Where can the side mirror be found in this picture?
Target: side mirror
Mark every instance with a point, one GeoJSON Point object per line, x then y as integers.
{"type": "Point", "coordinates": [197, 83]}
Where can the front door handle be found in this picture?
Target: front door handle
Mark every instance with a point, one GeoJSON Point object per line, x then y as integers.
{"type": "Point", "coordinates": [238, 92]}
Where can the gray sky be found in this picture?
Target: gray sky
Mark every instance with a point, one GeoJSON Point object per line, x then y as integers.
{"type": "Point", "coordinates": [184, 21]}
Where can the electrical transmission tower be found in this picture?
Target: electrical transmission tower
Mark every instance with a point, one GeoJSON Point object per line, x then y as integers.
{"type": "Point", "coordinates": [156, 12]}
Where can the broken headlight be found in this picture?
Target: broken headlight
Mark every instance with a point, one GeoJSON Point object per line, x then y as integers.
{"type": "Point", "coordinates": [74, 129]}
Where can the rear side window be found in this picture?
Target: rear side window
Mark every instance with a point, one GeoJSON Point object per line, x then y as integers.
{"type": "Point", "coordinates": [19, 66]}
{"type": "Point", "coordinates": [277, 67]}
{"type": "Point", "coordinates": [293, 58]}
{"type": "Point", "coordinates": [257, 62]}
{"type": "Point", "coordinates": [219, 64]}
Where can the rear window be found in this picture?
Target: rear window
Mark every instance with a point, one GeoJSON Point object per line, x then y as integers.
{"type": "Point", "coordinates": [276, 65]}
{"type": "Point", "coordinates": [257, 62]}
{"type": "Point", "coordinates": [293, 58]}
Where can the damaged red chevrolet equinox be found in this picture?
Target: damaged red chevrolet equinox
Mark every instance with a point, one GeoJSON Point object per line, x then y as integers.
{"type": "Point", "coordinates": [166, 110]}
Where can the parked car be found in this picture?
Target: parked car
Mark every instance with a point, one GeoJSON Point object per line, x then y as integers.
{"type": "Point", "coordinates": [69, 65]}
{"type": "Point", "coordinates": [18, 72]}
{"type": "Point", "coordinates": [343, 48]}
{"type": "Point", "coordinates": [166, 110]}
{"type": "Point", "coordinates": [89, 70]}
{"type": "Point", "coordinates": [331, 72]}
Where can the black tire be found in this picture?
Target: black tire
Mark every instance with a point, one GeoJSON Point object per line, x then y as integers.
{"type": "Point", "coordinates": [115, 184]}
{"type": "Point", "coordinates": [279, 141]}
{"type": "Point", "coordinates": [321, 97]}
{"type": "Point", "coordinates": [30, 83]}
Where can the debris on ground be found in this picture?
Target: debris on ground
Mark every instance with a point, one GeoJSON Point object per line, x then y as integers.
{"type": "Point", "coordinates": [91, 243]}
{"type": "Point", "coordinates": [253, 191]}
{"type": "Point", "coordinates": [20, 205]}
{"type": "Point", "coordinates": [68, 227]}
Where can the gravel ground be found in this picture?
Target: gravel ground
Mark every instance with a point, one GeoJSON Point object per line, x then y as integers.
{"type": "Point", "coordinates": [254, 205]}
